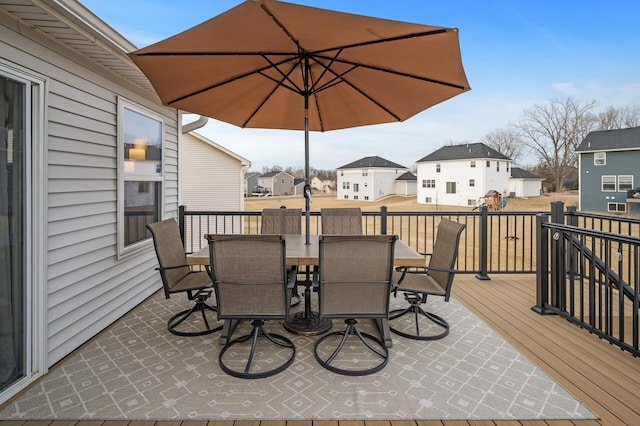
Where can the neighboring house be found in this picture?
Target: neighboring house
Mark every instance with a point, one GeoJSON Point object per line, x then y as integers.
{"type": "Point", "coordinates": [609, 167]}
{"type": "Point", "coordinates": [277, 183]}
{"type": "Point", "coordinates": [368, 179]}
{"type": "Point", "coordinates": [250, 182]}
{"type": "Point", "coordinates": [459, 175]}
{"type": "Point", "coordinates": [298, 186]}
{"type": "Point", "coordinates": [523, 183]}
{"type": "Point", "coordinates": [320, 185]}
{"type": "Point", "coordinates": [88, 157]}
{"type": "Point", "coordinates": [211, 178]}
{"type": "Point", "coordinates": [406, 184]}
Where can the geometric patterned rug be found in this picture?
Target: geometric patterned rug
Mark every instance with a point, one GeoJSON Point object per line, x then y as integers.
{"type": "Point", "coordinates": [137, 370]}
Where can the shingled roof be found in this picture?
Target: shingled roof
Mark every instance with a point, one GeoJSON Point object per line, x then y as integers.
{"type": "Point", "coordinates": [611, 140]}
{"type": "Point", "coordinates": [407, 176]}
{"type": "Point", "coordinates": [371, 162]}
{"type": "Point", "coordinates": [518, 173]}
{"type": "Point", "coordinates": [463, 152]}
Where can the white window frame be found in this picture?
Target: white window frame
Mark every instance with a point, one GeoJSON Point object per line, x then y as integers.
{"type": "Point", "coordinates": [616, 207]}
{"type": "Point", "coordinates": [145, 244]}
{"type": "Point", "coordinates": [623, 181]}
{"type": "Point", "coordinates": [608, 178]}
{"type": "Point", "coordinates": [599, 158]}
{"type": "Point", "coordinates": [452, 188]}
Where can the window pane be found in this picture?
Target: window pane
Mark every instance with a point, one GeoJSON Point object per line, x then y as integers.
{"type": "Point", "coordinates": [142, 144]}
{"type": "Point", "coordinates": [141, 207]}
{"type": "Point", "coordinates": [608, 183]}
{"type": "Point", "coordinates": [600, 158]}
{"type": "Point", "coordinates": [625, 182]}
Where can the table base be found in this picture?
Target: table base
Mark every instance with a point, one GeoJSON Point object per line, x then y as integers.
{"type": "Point", "coordinates": [307, 325]}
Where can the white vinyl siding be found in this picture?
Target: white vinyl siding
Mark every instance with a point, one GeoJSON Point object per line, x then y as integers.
{"type": "Point", "coordinates": [87, 288]}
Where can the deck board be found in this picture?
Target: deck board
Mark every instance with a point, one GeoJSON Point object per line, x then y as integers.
{"type": "Point", "coordinates": [605, 378]}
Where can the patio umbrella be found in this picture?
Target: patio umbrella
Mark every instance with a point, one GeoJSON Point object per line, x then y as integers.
{"type": "Point", "coordinates": [271, 64]}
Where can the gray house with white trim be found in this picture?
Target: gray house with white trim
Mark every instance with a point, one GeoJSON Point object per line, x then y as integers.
{"type": "Point", "coordinates": [609, 166]}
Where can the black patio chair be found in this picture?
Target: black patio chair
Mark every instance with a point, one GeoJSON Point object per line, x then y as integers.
{"type": "Point", "coordinates": [178, 277]}
{"type": "Point", "coordinates": [354, 282]}
{"type": "Point", "coordinates": [251, 283]}
{"type": "Point", "coordinates": [434, 280]}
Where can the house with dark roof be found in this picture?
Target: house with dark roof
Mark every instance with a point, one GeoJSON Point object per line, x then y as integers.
{"type": "Point", "coordinates": [523, 183]}
{"type": "Point", "coordinates": [459, 175]}
{"type": "Point", "coordinates": [406, 184]}
{"type": "Point", "coordinates": [277, 183]}
{"type": "Point", "coordinates": [368, 179]}
{"type": "Point", "coordinates": [608, 167]}
{"type": "Point", "coordinates": [250, 182]}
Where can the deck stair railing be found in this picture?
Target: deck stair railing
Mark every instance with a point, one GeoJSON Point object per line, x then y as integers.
{"type": "Point", "coordinates": [590, 276]}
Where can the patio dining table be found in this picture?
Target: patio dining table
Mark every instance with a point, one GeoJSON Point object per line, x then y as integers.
{"type": "Point", "coordinates": [300, 254]}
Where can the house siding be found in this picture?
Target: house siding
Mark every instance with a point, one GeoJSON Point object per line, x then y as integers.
{"type": "Point", "coordinates": [87, 286]}
{"type": "Point", "coordinates": [377, 183]}
{"type": "Point", "coordinates": [618, 163]}
{"type": "Point", "coordinates": [460, 171]}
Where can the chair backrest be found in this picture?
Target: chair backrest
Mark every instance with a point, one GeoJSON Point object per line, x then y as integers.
{"type": "Point", "coordinates": [445, 252]}
{"type": "Point", "coordinates": [281, 221]}
{"type": "Point", "coordinates": [341, 221]}
{"type": "Point", "coordinates": [170, 252]}
{"type": "Point", "coordinates": [355, 275]}
{"type": "Point", "coordinates": [249, 276]}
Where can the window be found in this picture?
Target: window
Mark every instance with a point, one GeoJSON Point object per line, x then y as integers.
{"type": "Point", "coordinates": [451, 187]}
{"type": "Point", "coordinates": [424, 183]}
{"type": "Point", "coordinates": [600, 159]}
{"type": "Point", "coordinates": [625, 183]}
{"type": "Point", "coordinates": [366, 197]}
{"type": "Point", "coordinates": [345, 185]}
{"type": "Point", "coordinates": [497, 166]}
{"type": "Point", "coordinates": [428, 200]}
{"type": "Point", "coordinates": [140, 140]}
{"type": "Point", "coordinates": [608, 183]}
{"type": "Point", "coordinates": [356, 187]}
{"type": "Point", "coordinates": [365, 172]}
{"type": "Point", "coordinates": [473, 164]}
{"type": "Point", "coordinates": [488, 163]}
{"type": "Point", "coordinates": [472, 182]}
{"type": "Point", "coordinates": [616, 207]}
{"type": "Point", "coordinates": [507, 167]}
{"type": "Point", "coordinates": [355, 197]}
{"type": "Point", "coordinates": [346, 197]}
{"type": "Point", "coordinates": [471, 202]}
{"type": "Point", "coordinates": [438, 168]}
{"type": "Point", "coordinates": [431, 183]}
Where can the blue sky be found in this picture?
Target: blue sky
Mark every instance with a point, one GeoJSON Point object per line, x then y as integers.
{"type": "Point", "coordinates": [516, 53]}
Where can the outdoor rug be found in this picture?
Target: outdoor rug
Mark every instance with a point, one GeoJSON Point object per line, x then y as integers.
{"type": "Point", "coordinates": [137, 370]}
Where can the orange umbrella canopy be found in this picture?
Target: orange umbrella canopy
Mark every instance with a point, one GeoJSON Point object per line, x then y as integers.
{"type": "Point", "coordinates": [267, 64]}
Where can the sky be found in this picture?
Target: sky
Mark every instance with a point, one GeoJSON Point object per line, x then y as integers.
{"type": "Point", "coordinates": [516, 54]}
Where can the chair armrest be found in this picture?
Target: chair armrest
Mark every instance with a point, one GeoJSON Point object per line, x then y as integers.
{"type": "Point", "coordinates": [315, 280]}
{"type": "Point", "coordinates": [165, 268]}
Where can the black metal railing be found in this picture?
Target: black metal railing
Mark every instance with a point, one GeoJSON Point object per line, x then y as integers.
{"type": "Point", "coordinates": [591, 276]}
{"type": "Point", "coordinates": [492, 242]}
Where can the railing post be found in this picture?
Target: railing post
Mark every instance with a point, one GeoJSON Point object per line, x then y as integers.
{"type": "Point", "coordinates": [484, 243]}
{"type": "Point", "coordinates": [383, 220]}
{"type": "Point", "coordinates": [572, 255]}
{"type": "Point", "coordinates": [557, 256]}
{"type": "Point", "coordinates": [181, 210]}
{"type": "Point", "coordinates": [542, 266]}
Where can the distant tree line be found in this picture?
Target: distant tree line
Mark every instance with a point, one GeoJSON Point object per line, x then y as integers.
{"type": "Point", "coordinates": [552, 131]}
{"type": "Point", "coordinates": [298, 172]}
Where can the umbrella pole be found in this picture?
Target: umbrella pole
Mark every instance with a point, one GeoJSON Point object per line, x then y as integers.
{"type": "Point", "coordinates": [307, 187]}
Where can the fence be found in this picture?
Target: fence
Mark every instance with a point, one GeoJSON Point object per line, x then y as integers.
{"type": "Point", "coordinates": [590, 275]}
{"type": "Point", "coordinates": [492, 242]}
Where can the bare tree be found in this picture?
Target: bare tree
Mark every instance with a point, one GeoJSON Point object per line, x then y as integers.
{"type": "Point", "coordinates": [619, 118]}
{"type": "Point", "coordinates": [506, 141]}
{"type": "Point", "coordinates": [553, 131]}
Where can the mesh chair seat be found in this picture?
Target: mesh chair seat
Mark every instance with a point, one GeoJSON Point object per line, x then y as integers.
{"type": "Point", "coordinates": [341, 221]}
{"type": "Point", "coordinates": [177, 277]}
{"type": "Point", "coordinates": [354, 282]}
{"type": "Point", "coordinates": [251, 283]}
{"type": "Point", "coordinates": [436, 279]}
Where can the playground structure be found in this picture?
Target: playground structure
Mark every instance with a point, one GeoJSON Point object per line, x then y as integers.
{"type": "Point", "coordinates": [493, 200]}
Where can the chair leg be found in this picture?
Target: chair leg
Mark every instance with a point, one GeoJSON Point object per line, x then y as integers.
{"type": "Point", "coordinates": [199, 306]}
{"type": "Point", "coordinates": [379, 348]}
{"type": "Point", "coordinates": [415, 308]}
{"type": "Point", "coordinates": [257, 332]}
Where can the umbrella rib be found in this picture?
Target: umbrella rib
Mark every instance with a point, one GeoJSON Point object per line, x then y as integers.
{"type": "Point", "coordinates": [401, 74]}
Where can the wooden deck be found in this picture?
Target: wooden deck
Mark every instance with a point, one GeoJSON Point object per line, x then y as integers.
{"type": "Point", "coordinates": [603, 377]}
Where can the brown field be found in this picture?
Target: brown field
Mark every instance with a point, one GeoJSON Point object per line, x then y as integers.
{"type": "Point", "coordinates": [404, 203]}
